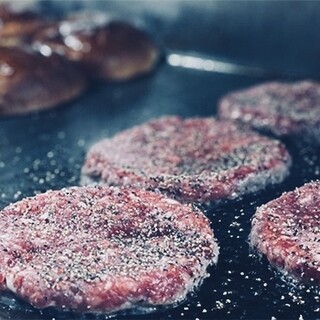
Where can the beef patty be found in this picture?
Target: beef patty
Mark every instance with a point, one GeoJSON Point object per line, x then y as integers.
{"type": "Point", "coordinates": [197, 159]}
{"type": "Point", "coordinates": [287, 232]}
{"type": "Point", "coordinates": [31, 82]}
{"type": "Point", "coordinates": [103, 249]}
{"type": "Point", "coordinates": [280, 108]}
{"type": "Point", "coordinates": [104, 48]}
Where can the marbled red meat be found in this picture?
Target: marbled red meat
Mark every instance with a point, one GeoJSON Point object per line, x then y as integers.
{"type": "Point", "coordinates": [280, 108]}
{"type": "Point", "coordinates": [103, 249]}
{"type": "Point", "coordinates": [287, 232]}
{"type": "Point", "coordinates": [197, 159]}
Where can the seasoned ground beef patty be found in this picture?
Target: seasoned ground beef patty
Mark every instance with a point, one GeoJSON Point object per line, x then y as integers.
{"type": "Point", "coordinates": [31, 82]}
{"type": "Point", "coordinates": [104, 48]}
{"type": "Point", "coordinates": [103, 249]}
{"type": "Point", "coordinates": [281, 108]}
{"type": "Point", "coordinates": [287, 232]}
{"type": "Point", "coordinates": [197, 159]}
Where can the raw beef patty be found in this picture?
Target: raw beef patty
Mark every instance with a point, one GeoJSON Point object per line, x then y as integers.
{"type": "Point", "coordinates": [280, 108]}
{"type": "Point", "coordinates": [287, 232]}
{"type": "Point", "coordinates": [103, 249]}
{"type": "Point", "coordinates": [197, 159]}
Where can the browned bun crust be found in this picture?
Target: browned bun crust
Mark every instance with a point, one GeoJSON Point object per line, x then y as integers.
{"type": "Point", "coordinates": [30, 81]}
{"type": "Point", "coordinates": [109, 50]}
{"type": "Point", "coordinates": [17, 26]}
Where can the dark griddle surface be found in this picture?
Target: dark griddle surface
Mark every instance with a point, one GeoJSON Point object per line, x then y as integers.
{"type": "Point", "coordinates": [46, 150]}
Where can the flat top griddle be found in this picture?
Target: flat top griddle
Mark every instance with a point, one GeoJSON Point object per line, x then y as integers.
{"type": "Point", "coordinates": [46, 150]}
